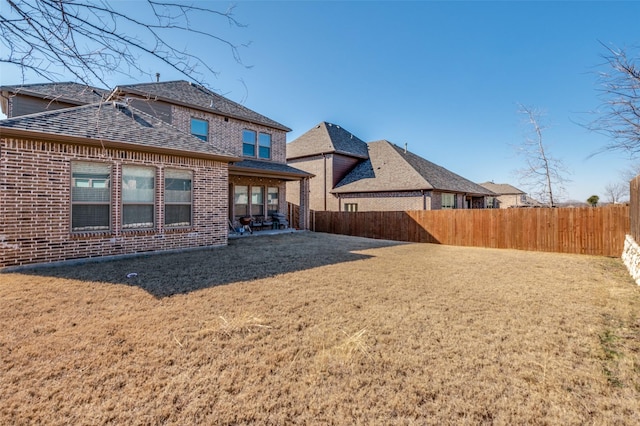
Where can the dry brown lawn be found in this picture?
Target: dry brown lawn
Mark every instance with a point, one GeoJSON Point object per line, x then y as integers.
{"type": "Point", "coordinates": [312, 328]}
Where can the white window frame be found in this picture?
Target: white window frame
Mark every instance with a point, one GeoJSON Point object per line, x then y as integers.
{"type": "Point", "coordinates": [178, 198]}
{"type": "Point", "coordinates": [99, 183]}
{"type": "Point", "coordinates": [129, 191]}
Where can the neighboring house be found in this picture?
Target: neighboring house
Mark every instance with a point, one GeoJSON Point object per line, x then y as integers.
{"type": "Point", "coordinates": [352, 175]}
{"type": "Point", "coordinates": [509, 196]}
{"type": "Point", "coordinates": [107, 178]}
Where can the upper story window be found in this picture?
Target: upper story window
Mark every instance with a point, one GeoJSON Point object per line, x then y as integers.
{"type": "Point", "coordinates": [200, 128]}
{"type": "Point", "coordinates": [264, 145]}
{"type": "Point", "coordinates": [248, 143]}
{"type": "Point", "coordinates": [256, 144]}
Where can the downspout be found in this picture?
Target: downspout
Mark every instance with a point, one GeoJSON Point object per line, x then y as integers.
{"type": "Point", "coordinates": [324, 158]}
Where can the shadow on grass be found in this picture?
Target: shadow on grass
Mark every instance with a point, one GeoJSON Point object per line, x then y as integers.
{"type": "Point", "coordinates": [243, 259]}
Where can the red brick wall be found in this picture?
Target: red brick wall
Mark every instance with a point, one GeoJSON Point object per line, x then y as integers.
{"type": "Point", "coordinates": [226, 133]}
{"type": "Point", "coordinates": [35, 188]}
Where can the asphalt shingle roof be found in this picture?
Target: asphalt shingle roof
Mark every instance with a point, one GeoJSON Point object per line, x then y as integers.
{"type": "Point", "coordinates": [501, 188]}
{"type": "Point", "coordinates": [111, 121]}
{"type": "Point", "coordinates": [268, 166]}
{"type": "Point", "coordinates": [68, 92]}
{"type": "Point", "coordinates": [391, 168]}
{"type": "Point", "coordinates": [326, 138]}
{"type": "Point", "coordinates": [193, 95]}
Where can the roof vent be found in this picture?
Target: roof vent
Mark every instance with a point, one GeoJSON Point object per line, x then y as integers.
{"type": "Point", "coordinates": [405, 147]}
{"type": "Point", "coordinates": [211, 104]}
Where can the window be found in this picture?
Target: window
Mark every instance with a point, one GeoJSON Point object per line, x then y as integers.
{"type": "Point", "coordinates": [272, 200]}
{"type": "Point", "coordinates": [177, 197]}
{"type": "Point", "coordinates": [449, 201]}
{"type": "Point", "coordinates": [248, 143]}
{"type": "Point", "coordinates": [257, 201]}
{"type": "Point", "coordinates": [200, 128]}
{"type": "Point", "coordinates": [264, 145]}
{"type": "Point", "coordinates": [351, 207]}
{"type": "Point", "coordinates": [138, 196]}
{"type": "Point", "coordinates": [492, 202]}
{"type": "Point", "coordinates": [241, 200]}
{"type": "Point", "coordinates": [90, 196]}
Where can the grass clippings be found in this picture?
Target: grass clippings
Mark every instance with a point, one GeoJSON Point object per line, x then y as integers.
{"type": "Point", "coordinates": [323, 329]}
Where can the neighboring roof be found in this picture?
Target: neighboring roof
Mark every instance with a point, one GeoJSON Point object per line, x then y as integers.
{"type": "Point", "coordinates": [391, 168]}
{"type": "Point", "coordinates": [111, 124]}
{"type": "Point", "coordinates": [502, 188]}
{"type": "Point", "coordinates": [327, 138]}
{"type": "Point", "coordinates": [194, 96]}
{"type": "Point", "coordinates": [267, 168]}
{"type": "Point", "coordinates": [67, 92]}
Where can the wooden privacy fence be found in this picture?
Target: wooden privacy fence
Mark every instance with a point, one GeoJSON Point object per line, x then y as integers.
{"type": "Point", "coordinates": [598, 231]}
{"type": "Point", "coordinates": [634, 201]}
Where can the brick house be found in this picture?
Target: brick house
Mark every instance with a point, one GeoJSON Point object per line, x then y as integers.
{"type": "Point", "coordinates": [257, 182]}
{"type": "Point", "coordinates": [107, 178]}
{"type": "Point", "coordinates": [508, 196]}
{"type": "Point", "coordinates": [351, 175]}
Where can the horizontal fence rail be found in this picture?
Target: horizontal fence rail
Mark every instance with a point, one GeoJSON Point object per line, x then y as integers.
{"type": "Point", "coordinates": [585, 230]}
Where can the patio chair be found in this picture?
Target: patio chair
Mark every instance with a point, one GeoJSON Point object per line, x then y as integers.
{"type": "Point", "coordinates": [281, 220]}
{"type": "Point", "coordinates": [267, 222]}
{"type": "Point", "coordinates": [256, 223]}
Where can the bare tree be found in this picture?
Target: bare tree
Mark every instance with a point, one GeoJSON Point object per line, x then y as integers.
{"type": "Point", "coordinates": [543, 174]}
{"type": "Point", "coordinates": [616, 192]}
{"type": "Point", "coordinates": [90, 39]}
{"type": "Point", "coordinates": [619, 115]}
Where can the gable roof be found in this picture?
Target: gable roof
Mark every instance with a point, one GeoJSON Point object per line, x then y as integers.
{"type": "Point", "coordinates": [501, 188]}
{"type": "Point", "coordinates": [67, 92]}
{"type": "Point", "coordinates": [191, 95]}
{"type": "Point", "coordinates": [391, 168]}
{"type": "Point", "coordinates": [327, 138]}
{"type": "Point", "coordinates": [111, 124]}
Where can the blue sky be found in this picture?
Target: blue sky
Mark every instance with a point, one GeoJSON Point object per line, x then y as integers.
{"type": "Point", "coordinates": [444, 77]}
